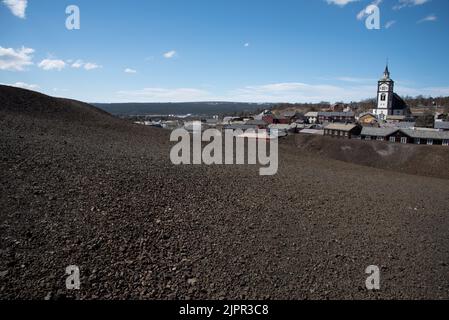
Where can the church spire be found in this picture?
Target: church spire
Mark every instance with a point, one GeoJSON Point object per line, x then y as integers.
{"type": "Point", "coordinates": [387, 72]}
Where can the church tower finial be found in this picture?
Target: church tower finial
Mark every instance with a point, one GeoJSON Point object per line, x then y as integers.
{"type": "Point", "coordinates": [387, 71]}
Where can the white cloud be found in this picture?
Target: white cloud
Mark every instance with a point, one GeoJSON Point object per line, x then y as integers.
{"type": "Point", "coordinates": [164, 95]}
{"type": "Point", "coordinates": [246, 45]}
{"type": "Point", "coordinates": [77, 64]}
{"type": "Point", "coordinates": [170, 54]}
{"type": "Point", "coordinates": [356, 80]}
{"type": "Point", "coordinates": [17, 7]}
{"type": "Point", "coordinates": [86, 65]}
{"type": "Point", "coordinates": [91, 66]}
{"type": "Point", "coordinates": [429, 18]}
{"type": "Point", "coordinates": [426, 91]}
{"type": "Point", "coordinates": [274, 92]}
{"type": "Point", "coordinates": [302, 92]}
{"type": "Point", "coordinates": [365, 12]}
{"type": "Point", "coordinates": [26, 85]}
{"type": "Point", "coordinates": [23, 85]}
{"type": "Point", "coordinates": [15, 60]}
{"type": "Point", "coordinates": [389, 24]}
{"type": "Point", "coordinates": [409, 3]}
{"type": "Point", "coordinates": [354, 90]}
{"type": "Point", "coordinates": [129, 70]}
{"type": "Point", "coordinates": [340, 3]}
{"type": "Point", "coordinates": [52, 64]}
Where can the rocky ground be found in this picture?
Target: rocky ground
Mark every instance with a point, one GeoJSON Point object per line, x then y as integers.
{"type": "Point", "coordinates": [93, 191]}
{"type": "Point", "coordinates": [423, 160]}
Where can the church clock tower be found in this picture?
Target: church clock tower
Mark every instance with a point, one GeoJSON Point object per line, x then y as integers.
{"type": "Point", "coordinates": [385, 94]}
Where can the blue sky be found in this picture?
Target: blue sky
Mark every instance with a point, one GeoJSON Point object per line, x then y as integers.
{"type": "Point", "coordinates": [233, 50]}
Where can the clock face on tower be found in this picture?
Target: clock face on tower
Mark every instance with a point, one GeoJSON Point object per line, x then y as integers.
{"type": "Point", "coordinates": [384, 87]}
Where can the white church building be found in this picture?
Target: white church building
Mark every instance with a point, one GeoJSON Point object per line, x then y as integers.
{"type": "Point", "coordinates": [388, 102]}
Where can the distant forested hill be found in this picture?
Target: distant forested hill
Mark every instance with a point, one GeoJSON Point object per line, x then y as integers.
{"type": "Point", "coordinates": [195, 108]}
{"type": "Point", "coordinates": [241, 108]}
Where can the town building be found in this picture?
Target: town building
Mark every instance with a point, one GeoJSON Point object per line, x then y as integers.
{"type": "Point", "coordinates": [263, 114]}
{"type": "Point", "coordinates": [341, 130]}
{"type": "Point", "coordinates": [406, 136]}
{"type": "Point", "coordinates": [289, 115]}
{"type": "Point", "coordinates": [379, 134]}
{"type": "Point", "coordinates": [400, 125]}
{"type": "Point", "coordinates": [396, 118]}
{"type": "Point", "coordinates": [312, 117]}
{"type": "Point", "coordinates": [429, 137]}
{"type": "Point", "coordinates": [311, 131]}
{"type": "Point", "coordinates": [260, 124]}
{"type": "Point", "coordinates": [336, 117]}
{"type": "Point", "coordinates": [367, 119]}
{"type": "Point", "coordinates": [275, 119]}
{"type": "Point", "coordinates": [294, 116]}
{"type": "Point", "coordinates": [229, 120]}
{"type": "Point", "coordinates": [283, 127]}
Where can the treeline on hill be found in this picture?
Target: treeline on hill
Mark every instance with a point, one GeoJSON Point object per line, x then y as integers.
{"type": "Point", "coordinates": [195, 108]}
{"type": "Point", "coordinates": [428, 103]}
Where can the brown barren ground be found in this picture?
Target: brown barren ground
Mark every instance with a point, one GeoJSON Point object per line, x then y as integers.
{"type": "Point", "coordinates": [79, 187]}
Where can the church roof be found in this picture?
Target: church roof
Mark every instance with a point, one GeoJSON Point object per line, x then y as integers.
{"type": "Point", "coordinates": [398, 103]}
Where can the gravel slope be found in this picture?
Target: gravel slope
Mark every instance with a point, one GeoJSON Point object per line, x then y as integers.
{"type": "Point", "coordinates": [103, 195]}
{"type": "Point", "coordinates": [421, 160]}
